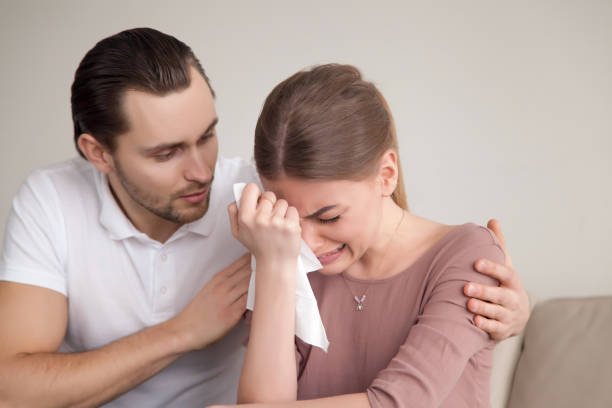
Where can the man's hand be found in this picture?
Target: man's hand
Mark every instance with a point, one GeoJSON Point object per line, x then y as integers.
{"type": "Point", "coordinates": [216, 308]}
{"type": "Point", "coordinates": [500, 311]}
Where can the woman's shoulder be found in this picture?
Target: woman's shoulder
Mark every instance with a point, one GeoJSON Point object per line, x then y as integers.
{"type": "Point", "coordinates": [470, 234]}
{"type": "Point", "coordinates": [466, 243]}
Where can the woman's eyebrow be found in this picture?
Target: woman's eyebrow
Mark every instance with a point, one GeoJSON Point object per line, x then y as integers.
{"type": "Point", "coordinates": [321, 211]}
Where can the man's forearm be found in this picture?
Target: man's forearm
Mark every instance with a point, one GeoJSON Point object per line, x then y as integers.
{"type": "Point", "coordinates": [90, 378]}
{"type": "Point", "coordinates": [359, 400]}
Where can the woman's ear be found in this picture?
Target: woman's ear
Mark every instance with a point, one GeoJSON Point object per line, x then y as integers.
{"type": "Point", "coordinates": [97, 154]}
{"type": "Point", "coordinates": [388, 172]}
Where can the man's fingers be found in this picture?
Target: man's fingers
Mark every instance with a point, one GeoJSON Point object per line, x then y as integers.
{"type": "Point", "coordinates": [240, 280]}
{"type": "Point", "coordinates": [495, 226]}
{"type": "Point", "coordinates": [503, 273]}
{"type": "Point", "coordinates": [240, 304]}
{"type": "Point", "coordinates": [496, 330]}
{"type": "Point", "coordinates": [493, 294]}
{"type": "Point", "coordinates": [488, 310]}
{"type": "Point", "coordinates": [239, 288]}
{"type": "Point", "coordinates": [236, 266]}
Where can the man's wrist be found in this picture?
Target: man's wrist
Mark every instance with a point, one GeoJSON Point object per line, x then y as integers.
{"type": "Point", "coordinates": [176, 337]}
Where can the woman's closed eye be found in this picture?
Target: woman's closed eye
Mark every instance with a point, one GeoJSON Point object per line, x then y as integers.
{"type": "Point", "coordinates": [328, 220]}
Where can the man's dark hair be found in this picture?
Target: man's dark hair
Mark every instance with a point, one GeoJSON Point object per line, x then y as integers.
{"type": "Point", "coordinates": [140, 59]}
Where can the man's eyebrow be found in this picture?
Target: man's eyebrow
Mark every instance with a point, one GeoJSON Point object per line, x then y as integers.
{"type": "Point", "coordinates": [321, 211]}
{"type": "Point", "coordinates": [211, 126]}
{"type": "Point", "coordinates": [168, 146]}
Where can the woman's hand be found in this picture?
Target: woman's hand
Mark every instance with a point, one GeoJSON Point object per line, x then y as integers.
{"type": "Point", "coordinates": [501, 311]}
{"type": "Point", "coordinates": [268, 227]}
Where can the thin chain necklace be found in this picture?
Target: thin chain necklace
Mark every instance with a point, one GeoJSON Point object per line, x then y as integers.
{"type": "Point", "coordinates": [361, 300]}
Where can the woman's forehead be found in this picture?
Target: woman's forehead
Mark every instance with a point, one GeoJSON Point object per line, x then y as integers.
{"type": "Point", "coordinates": [312, 195]}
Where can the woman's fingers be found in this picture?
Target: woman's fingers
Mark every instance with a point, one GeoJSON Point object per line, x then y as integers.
{"type": "Point", "coordinates": [232, 211]}
{"type": "Point", "coordinates": [266, 202]}
{"type": "Point", "coordinates": [280, 209]}
{"type": "Point", "coordinates": [249, 200]}
{"type": "Point", "coordinates": [293, 217]}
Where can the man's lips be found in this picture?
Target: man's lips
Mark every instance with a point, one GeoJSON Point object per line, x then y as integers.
{"type": "Point", "coordinates": [195, 197]}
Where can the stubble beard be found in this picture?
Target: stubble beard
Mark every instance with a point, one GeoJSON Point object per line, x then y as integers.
{"type": "Point", "coordinates": [166, 210]}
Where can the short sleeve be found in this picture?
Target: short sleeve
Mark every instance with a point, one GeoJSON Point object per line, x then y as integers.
{"type": "Point", "coordinates": [34, 239]}
{"type": "Point", "coordinates": [444, 339]}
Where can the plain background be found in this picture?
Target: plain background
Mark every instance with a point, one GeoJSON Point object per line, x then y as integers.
{"type": "Point", "coordinates": [503, 109]}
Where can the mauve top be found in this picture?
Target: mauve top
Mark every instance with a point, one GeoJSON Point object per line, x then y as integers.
{"type": "Point", "coordinates": [414, 344]}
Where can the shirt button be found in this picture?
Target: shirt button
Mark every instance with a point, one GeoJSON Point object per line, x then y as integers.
{"type": "Point", "coordinates": [163, 290]}
{"type": "Point", "coordinates": [164, 257]}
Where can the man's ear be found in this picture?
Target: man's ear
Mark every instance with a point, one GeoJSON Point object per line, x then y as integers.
{"type": "Point", "coordinates": [97, 154]}
{"type": "Point", "coordinates": [388, 172]}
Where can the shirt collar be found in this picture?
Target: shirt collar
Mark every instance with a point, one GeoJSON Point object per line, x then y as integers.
{"type": "Point", "coordinates": [111, 216]}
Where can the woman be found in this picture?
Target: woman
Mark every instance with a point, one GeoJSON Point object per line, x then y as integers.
{"type": "Point", "coordinates": [391, 289]}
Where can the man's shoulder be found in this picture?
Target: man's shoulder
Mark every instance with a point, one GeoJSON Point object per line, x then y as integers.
{"type": "Point", "coordinates": [72, 172]}
{"type": "Point", "coordinates": [57, 185]}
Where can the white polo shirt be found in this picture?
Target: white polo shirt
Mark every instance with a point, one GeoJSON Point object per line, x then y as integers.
{"type": "Point", "coordinates": [66, 233]}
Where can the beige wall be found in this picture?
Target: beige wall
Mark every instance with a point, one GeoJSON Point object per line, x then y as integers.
{"type": "Point", "coordinates": [503, 108]}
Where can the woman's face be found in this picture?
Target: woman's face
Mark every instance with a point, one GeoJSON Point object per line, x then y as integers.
{"type": "Point", "coordinates": [339, 219]}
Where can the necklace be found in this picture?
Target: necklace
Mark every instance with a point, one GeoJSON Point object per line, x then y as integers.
{"type": "Point", "coordinates": [360, 300]}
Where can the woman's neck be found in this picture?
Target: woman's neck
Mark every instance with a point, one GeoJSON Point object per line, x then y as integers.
{"type": "Point", "coordinates": [371, 265]}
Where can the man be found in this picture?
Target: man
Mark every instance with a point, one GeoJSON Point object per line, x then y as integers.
{"type": "Point", "coordinates": [119, 278]}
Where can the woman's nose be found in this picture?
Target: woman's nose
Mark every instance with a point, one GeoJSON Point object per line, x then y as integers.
{"type": "Point", "coordinates": [311, 236]}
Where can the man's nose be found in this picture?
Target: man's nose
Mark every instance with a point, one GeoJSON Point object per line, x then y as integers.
{"type": "Point", "coordinates": [197, 169]}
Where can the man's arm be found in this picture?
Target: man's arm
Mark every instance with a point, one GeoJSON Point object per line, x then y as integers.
{"type": "Point", "coordinates": [33, 322]}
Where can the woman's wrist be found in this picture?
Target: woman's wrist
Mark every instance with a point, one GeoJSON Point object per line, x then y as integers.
{"type": "Point", "coordinates": [276, 265]}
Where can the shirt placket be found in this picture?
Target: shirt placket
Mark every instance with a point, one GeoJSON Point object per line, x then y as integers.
{"type": "Point", "coordinates": [164, 288]}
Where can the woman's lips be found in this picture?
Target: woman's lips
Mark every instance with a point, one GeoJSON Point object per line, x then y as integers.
{"type": "Point", "coordinates": [331, 256]}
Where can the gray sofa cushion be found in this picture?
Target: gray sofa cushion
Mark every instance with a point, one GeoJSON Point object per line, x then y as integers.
{"type": "Point", "coordinates": [567, 356]}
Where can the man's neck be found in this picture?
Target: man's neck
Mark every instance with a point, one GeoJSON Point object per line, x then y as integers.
{"type": "Point", "coordinates": [153, 226]}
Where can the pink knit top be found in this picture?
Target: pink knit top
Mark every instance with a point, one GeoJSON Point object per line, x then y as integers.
{"type": "Point", "coordinates": [414, 343]}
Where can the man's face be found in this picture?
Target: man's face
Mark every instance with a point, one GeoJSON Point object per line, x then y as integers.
{"type": "Point", "coordinates": [164, 166]}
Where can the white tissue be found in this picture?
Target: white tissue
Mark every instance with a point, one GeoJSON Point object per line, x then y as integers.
{"type": "Point", "coordinates": [308, 323]}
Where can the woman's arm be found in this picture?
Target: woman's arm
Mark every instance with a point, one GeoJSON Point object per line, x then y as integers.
{"type": "Point", "coordinates": [271, 231]}
{"type": "Point", "coordinates": [269, 371]}
{"type": "Point", "coordinates": [359, 400]}
{"type": "Point", "coordinates": [502, 311]}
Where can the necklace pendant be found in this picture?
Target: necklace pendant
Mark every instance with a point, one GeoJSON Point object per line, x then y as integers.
{"type": "Point", "coordinates": [360, 302]}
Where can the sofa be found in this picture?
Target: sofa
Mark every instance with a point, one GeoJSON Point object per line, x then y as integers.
{"type": "Point", "coordinates": [562, 359]}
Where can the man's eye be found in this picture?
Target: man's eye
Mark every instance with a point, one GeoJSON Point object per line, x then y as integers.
{"type": "Point", "coordinates": [206, 137]}
{"type": "Point", "coordinates": [328, 220]}
{"type": "Point", "coordinates": [164, 157]}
